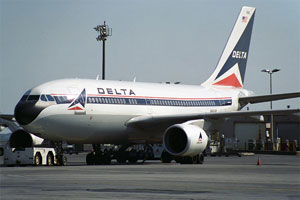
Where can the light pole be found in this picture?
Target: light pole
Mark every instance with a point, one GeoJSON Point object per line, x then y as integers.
{"type": "Point", "coordinates": [270, 72]}
{"type": "Point", "coordinates": [104, 31]}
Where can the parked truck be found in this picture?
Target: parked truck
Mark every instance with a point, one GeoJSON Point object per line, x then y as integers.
{"type": "Point", "coordinates": [26, 149]}
{"type": "Point", "coordinates": [30, 156]}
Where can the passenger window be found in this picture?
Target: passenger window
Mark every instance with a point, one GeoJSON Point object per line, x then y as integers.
{"type": "Point", "coordinates": [43, 98]}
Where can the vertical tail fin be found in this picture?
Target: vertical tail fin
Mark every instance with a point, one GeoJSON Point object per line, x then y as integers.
{"type": "Point", "coordinates": [231, 67]}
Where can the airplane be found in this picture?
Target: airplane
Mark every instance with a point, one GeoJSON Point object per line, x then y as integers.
{"type": "Point", "coordinates": [85, 111]}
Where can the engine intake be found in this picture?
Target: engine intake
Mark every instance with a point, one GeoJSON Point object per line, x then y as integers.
{"type": "Point", "coordinates": [185, 140]}
{"type": "Point", "coordinates": [23, 139]}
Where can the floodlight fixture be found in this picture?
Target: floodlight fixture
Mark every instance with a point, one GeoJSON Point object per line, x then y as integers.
{"type": "Point", "coordinates": [104, 32]}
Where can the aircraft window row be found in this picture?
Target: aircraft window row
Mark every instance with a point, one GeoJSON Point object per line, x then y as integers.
{"type": "Point", "coordinates": [106, 100]}
{"type": "Point", "coordinates": [182, 103]}
{"type": "Point", "coordinates": [156, 102]}
{"type": "Point", "coordinates": [47, 98]}
{"type": "Point", "coordinates": [226, 103]}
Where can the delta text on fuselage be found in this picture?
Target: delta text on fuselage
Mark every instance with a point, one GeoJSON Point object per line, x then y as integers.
{"type": "Point", "coordinates": [115, 91]}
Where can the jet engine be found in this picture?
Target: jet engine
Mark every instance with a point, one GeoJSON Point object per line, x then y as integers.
{"type": "Point", "coordinates": [185, 140]}
{"type": "Point", "coordinates": [23, 139]}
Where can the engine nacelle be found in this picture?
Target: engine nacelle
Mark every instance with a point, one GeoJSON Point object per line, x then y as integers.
{"type": "Point", "coordinates": [185, 140]}
{"type": "Point", "coordinates": [23, 139]}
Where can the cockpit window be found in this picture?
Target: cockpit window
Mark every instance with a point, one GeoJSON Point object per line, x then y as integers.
{"type": "Point", "coordinates": [43, 98]}
{"type": "Point", "coordinates": [33, 98]}
{"type": "Point", "coordinates": [24, 97]}
{"type": "Point", "coordinates": [50, 98]}
{"type": "Point", "coordinates": [62, 99]}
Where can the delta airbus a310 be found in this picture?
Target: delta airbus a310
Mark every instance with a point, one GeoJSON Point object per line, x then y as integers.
{"type": "Point", "coordinates": [83, 111]}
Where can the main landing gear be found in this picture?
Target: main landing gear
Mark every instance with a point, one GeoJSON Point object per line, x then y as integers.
{"type": "Point", "coordinates": [122, 153]}
{"type": "Point", "coordinates": [97, 157]}
{"type": "Point", "coordinates": [167, 158]}
{"type": "Point", "coordinates": [103, 155]}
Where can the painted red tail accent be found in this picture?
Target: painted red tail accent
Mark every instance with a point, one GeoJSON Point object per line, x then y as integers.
{"type": "Point", "coordinates": [75, 108]}
{"type": "Point", "coordinates": [230, 81]}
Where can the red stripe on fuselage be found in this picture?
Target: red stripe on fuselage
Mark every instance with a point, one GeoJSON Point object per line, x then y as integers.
{"type": "Point", "coordinates": [147, 97]}
{"type": "Point", "coordinates": [169, 98]}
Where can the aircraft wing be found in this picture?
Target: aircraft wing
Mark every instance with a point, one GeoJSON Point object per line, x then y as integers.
{"type": "Point", "coordinates": [8, 117]}
{"type": "Point", "coordinates": [9, 121]}
{"type": "Point", "coordinates": [266, 98]}
{"type": "Point", "coordinates": [167, 120]}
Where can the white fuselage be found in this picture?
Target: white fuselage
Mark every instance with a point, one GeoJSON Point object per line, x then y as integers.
{"type": "Point", "coordinates": [108, 105]}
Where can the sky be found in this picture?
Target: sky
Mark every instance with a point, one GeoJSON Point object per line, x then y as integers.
{"type": "Point", "coordinates": [154, 41]}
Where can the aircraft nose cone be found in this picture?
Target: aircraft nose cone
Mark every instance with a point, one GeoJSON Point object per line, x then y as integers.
{"type": "Point", "coordinates": [26, 112]}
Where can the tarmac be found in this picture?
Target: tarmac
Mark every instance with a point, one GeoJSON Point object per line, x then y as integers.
{"type": "Point", "coordinates": [233, 177]}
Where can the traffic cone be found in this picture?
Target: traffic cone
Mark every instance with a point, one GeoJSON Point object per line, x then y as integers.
{"type": "Point", "coordinates": [258, 162]}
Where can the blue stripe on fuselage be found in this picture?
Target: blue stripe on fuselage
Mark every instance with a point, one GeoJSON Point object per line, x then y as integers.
{"type": "Point", "coordinates": [149, 102]}
{"type": "Point", "coordinates": [158, 102]}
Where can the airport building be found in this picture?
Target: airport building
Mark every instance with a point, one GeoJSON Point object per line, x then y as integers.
{"type": "Point", "coordinates": [244, 133]}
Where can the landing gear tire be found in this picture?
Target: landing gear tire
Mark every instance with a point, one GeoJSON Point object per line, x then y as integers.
{"type": "Point", "coordinates": [106, 158]}
{"type": "Point", "coordinates": [98, 159]}
{"type": "Point", "coordinates": [198, 159]}
{"type": "Point", "coordinates": [132, 156]}
{"type": "Point", "coordinates": [188, 160]}
{"type": "Point", "coordinates": [121, 157]}
{"type": "Point", "coordinates": [50, 159]}
{"type": "Point", "coordinates": [62, 160]}
{"type": "Point", "coordinates": [121, 160]}
{"type": "Point", "coordinates": [195, 159]}
{"type": "Point", "coordinates": [90, 158]}
{"type": "Point", "coordinates": [166, 157]}
{"type": "Point", "coordinates": [201, 159]}
{"type": "Point", "coordinates": [178, 159]}
{"type": "Point", "coordinates": [37, 159]}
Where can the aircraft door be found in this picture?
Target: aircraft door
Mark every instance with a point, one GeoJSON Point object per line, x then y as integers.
{"type": "Point", "coordinates": [149, 110]}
